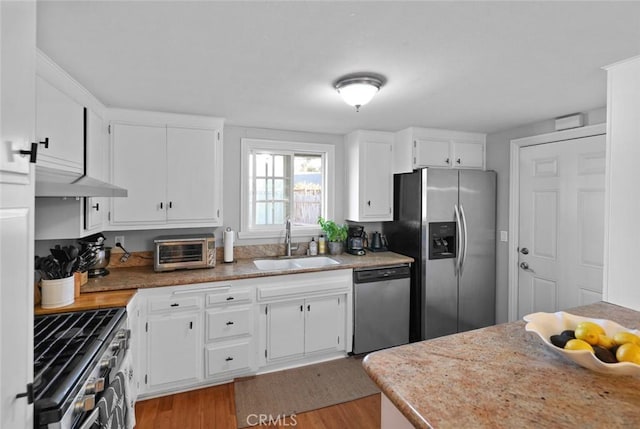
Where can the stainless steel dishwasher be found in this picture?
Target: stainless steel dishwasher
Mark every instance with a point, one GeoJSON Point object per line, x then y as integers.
{"type": "Point", "coordinates": [380, 307]}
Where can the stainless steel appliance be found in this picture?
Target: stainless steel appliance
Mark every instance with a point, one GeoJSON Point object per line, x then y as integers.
{"type": "Point", "coordinates": [76, 357]}
{"type": "Point", "coordinates": [380, 308]}
{"type": "Point", "coordinates": [445, 219]}
{"type": "Point", "coordinates": [378, 242]}
{"type": "Point", "coordinates": [94, 245]}
{"type": "Point", "coordinates": [356, 240]}
{"type": "Point", "coordinates": [175, 252]}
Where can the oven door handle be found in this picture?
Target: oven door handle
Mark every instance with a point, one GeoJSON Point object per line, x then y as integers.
{"type": "Point", "coordinates": [93, 417]}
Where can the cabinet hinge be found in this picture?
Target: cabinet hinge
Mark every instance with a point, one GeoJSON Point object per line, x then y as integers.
{"type": "Point", "coordinates": [145, 379]}
{"type": "Point", "coordinates": [146, 327]}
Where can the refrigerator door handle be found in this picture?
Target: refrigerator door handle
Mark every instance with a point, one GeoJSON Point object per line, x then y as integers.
{"type": "Point", "coordinates": [458, 240]}
{"type": "Point", "coordinates": [464, 239]}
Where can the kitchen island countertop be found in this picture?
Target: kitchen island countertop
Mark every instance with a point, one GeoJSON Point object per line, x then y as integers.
{"type": "Point", "coordinates": [505, 377]}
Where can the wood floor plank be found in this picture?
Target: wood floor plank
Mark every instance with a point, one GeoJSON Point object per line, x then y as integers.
{"type": "Point", "coordinates": [214, 408]}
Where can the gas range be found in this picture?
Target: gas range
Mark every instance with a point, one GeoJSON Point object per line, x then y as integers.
{"type": "Point", "coordinates": [76, 355]}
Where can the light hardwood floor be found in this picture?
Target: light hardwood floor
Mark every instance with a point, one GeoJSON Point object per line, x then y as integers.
{"type": "Point", "coordinates": [214, 408]}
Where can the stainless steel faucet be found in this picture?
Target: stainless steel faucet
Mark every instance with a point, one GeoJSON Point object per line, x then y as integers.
{"type": "Point", "coordinates": [287, 238]}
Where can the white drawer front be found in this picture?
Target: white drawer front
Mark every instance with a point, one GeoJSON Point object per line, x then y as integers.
{"type": "Point", "coordinates": [227, 358]}
{"type": "Point", "coordinates": [228, 297]}
{"type": "Point", "coordinates": [228, 323]}
{"type": "Point", "coordinates": [164, 304]}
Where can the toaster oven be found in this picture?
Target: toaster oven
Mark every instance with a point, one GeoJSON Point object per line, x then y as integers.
{"type": "Point", "coordinates": [178, 252]}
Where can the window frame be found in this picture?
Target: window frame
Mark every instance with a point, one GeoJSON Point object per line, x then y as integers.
{"type": "Point", "coordinates": [250, 145]}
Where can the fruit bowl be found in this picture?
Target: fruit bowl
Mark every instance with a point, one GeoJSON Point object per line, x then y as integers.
{"type": "Point", "coordinates": [548, 324]}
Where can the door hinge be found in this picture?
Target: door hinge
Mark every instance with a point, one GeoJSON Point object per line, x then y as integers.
{"type": "Point", "coordinates": [28, 394]}
{"type": "Point", "coordinates": [145, 379]}
{"type": "Point", "coordinates": [146, 327]}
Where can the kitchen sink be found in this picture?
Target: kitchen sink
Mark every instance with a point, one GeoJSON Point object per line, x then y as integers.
{"type": "Point", "coordinates": [294, 263]}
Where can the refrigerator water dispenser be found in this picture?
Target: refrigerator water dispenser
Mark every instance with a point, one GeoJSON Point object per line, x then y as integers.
{"type": "Point", "coordinates": [442, 240]}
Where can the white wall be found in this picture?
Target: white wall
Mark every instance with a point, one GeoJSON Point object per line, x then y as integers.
{"type": "Point", "coordinates": [498, 157]}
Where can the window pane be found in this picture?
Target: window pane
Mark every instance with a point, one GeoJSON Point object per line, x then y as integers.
{"type": "Point", "coordinates": [261, 214]}
{"type": "Point", "coordinates": [261, 186]}
{"type": "Point", "coordinates": [264, 164]}
{"type": "Point", "coordinates": [279, 166]}
{"type": "Point", "coordinates": [279, 213]}
{"type": "Point", "coordinates": [279, 191]}
{"type": "Point", "coordinates": [307, 189]}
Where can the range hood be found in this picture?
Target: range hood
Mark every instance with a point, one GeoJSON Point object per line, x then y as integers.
{"type": "Point", "coordinates": [57, 183]}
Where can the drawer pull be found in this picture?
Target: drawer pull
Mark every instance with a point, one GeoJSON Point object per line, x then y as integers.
{"type": "Point", "coordinates": [175, 304]}
{"type": "Point", "coordinates": [229, 323]}
{"type": "Point", "coordinates": [229, 359]}
{"type": "Point", "coordinates": [229, 298]}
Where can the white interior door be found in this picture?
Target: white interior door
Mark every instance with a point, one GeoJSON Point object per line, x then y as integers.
{"type": "Point", "coordinates": [561, 225]}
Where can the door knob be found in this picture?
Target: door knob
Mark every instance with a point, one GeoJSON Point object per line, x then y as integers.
{"type": "Point", "coordinates": [524, 265]}
{"type": "Point", "coordinates": [524, 251]}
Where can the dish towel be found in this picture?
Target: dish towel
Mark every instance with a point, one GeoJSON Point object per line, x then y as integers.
{"type": "Point", "coordinates": [111, 406]}
{"type": "Point", "coordinates": [126, 376]}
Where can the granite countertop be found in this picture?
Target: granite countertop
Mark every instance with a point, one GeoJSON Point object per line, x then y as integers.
{"type": "Point", "coordinates": [505, 377]}
{"type": "Point", "coordinates": [145, 277]}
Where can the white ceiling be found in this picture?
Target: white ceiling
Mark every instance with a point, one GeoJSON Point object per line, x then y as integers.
{"type": "Point", "coordinates": [473, 66]}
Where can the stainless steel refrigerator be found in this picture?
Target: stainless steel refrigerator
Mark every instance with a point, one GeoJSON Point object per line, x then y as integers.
{"type": "Point", "coordinates": [445, 220]}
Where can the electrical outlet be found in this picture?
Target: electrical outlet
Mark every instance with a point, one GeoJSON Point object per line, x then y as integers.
{"type": "Point", "coordinates": [120, 239]}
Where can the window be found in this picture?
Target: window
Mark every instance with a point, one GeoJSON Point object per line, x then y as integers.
{"type": "Point", "coordinates": [285, 180]}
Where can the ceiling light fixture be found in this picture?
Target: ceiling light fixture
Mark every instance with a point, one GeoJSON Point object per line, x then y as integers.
{"type": "Point", "coordinates": [358, 90]}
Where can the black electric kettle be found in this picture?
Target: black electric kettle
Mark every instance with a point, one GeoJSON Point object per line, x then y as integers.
{"type": "Point", "coordinates": [378, 242]}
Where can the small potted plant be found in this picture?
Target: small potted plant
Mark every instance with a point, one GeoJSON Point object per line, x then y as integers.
{"type": "Point", "coordinates": [336, 235]}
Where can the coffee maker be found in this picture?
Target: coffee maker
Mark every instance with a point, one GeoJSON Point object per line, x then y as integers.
{"type": "Point", "coordinates": [356, 240]}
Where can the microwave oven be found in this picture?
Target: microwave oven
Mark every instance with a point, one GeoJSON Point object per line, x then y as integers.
{"type": "Point", "coordinates": [178, 252]}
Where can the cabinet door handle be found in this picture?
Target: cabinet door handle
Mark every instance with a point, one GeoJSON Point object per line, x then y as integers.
{"type": "Point", "coordinates": [309, 307]}
{"type": "Point", "coordinates": [190, 325]}
{"type": "Point", "coordinates": [229, 323]}
{"type": "Point", "coordinates": [446, 161]}
{"type": "Point", "coordinates": [229, 298]}
{"type": "Point", "coordinates": [175, 304]}
{"type": "Point", "coordinates": [161, 205]}
{"type": "Point", "coordinates": [229, 358]}
{"type": "Point", "coordinates": [170, 204]}
{"type": "Point", "coordinates": [97, 207]}
{"type": "Point", "coordinates": [45, 143]}
{"type": "Point", "coordinates": [458, 161]}
{"type": "Point", "coordinates": [301, 308]}
{"type": "Point", "coordinates": [369, 203]}
{"type": "Point", "coordinates": [33, 153]}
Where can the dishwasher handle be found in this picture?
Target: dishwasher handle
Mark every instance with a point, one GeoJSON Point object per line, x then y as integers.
{"type": "Point", "coordinates": [381, 274]}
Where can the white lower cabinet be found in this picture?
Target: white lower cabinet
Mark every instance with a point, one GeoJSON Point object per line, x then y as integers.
{"type": "Point", "coordinates": [196, 335]}
{"type": "Point", "coordinates": [305, 317]}
{"type": "Point", "coordinates": [174, 345]}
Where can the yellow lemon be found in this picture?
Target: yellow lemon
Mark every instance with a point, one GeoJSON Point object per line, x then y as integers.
{"type": "Point", "coordinates": [578, 345]}
{"type": "Point", "coordinates": [626, 337]}
{"type": "Point", "coordinates": [586, 331]}
{"type": "Point", "coordinates": [628, 352]}
{"type": "Point", "coordinates": [606, 342]}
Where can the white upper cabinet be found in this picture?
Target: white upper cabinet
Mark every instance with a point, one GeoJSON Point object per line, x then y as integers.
{"type": "Point", "coordinates": [425, 147]}
{"type": "Point", "coordinates": [171, 166]}
{"type": "Point", "coordinates": [369, 179]}
{"type": "Point", "coordinates": [59, 123]}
